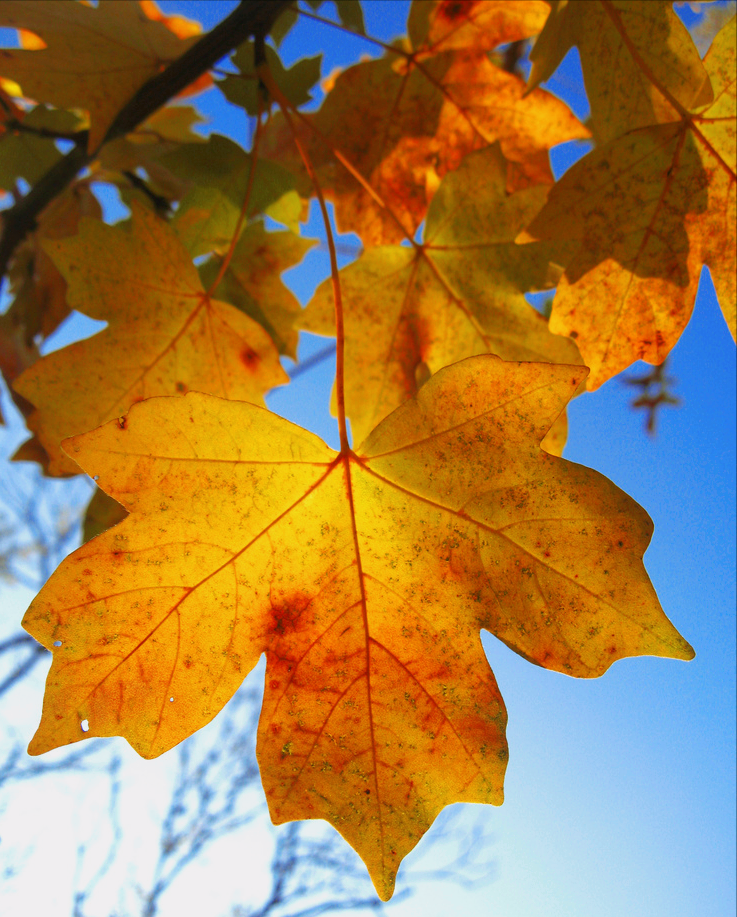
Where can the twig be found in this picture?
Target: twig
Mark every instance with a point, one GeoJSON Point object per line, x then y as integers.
{"type": "Point", "coordinates": [252, 17]}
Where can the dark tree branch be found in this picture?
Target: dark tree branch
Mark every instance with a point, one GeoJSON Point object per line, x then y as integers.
{"type": "Point", "coordinates": [252, 17]}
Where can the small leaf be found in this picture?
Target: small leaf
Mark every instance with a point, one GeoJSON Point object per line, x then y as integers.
{"type": "Point", "coordinates": [252, 281]}
{"type": "Point", "coordinates": [214, 179]}
{"type": "Point", "coordinates": [295, 81]}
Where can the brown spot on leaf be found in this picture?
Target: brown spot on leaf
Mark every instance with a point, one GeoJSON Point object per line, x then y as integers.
{"type": "Point", "coordinates": [452, 10]}
{"type": "Point", "coordinates": [286, 613]}
{"type": "Point", "coordinates": [249, 358]}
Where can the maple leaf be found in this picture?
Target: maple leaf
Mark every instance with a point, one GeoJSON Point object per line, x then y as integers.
{"type": "Point", "coordinates": [26, 153]}
{"type": "Point", "coordinates": [401, 123]}
{"type": "Point", "coordinates": [40, 303]}
{"type": "Point", "coordinates": [252, 281]}
{"type": "Point", "coordinates": [364, 576]}
{"type": "Point", "coordinates": [615, 38]}
{"type": "Point", "coordinates": [458, 293]}
{"type": "Point", "coordinates": [481, 25]}
{"type": "Point", "coordinates": [94, 57]}
{"type": "Point", "coordinates": [213, 179]}
{"type": "Point", "coordinates": [165, 335]}
{"type": "Point", "coordinates": [647, 209]}
{"type": "Point", "coordinates": [295, 82]}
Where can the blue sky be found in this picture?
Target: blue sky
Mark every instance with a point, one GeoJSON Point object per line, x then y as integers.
{"type": "Point", "coordinates": [620, 792]}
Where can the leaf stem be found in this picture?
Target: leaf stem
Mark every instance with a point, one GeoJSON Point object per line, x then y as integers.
{"type": "Point", "coordinates": [362, 181]}
{"type": "Point", "coordinates": [369, 38]}
{"type": "Point", "coordinates": [246, 201]}
{"type": "Point", "coordinates": [286, 108]}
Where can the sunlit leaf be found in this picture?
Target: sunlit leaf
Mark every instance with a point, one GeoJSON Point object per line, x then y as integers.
{"type": "Point", "coordinates": [365, 578]}
{"type": "Point", "coordinates": [638, 59]}
{"type": "Point", "coordinates": [164, 334]}
{"type": "Point", "coordinates": [648, 209]}
{"type": "Point", "coordinates": [403, 126]}
{"type": "Point", "coordinates": [95, 57]}
{"type": "Point", "coordinates": [459, 293]}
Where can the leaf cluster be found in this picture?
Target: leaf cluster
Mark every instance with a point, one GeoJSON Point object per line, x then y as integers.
{"type": "Point", "coordinates": [366, 574]}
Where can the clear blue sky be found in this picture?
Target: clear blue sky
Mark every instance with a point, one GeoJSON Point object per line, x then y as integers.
{"type": "Point", "coordinates": [620, 792]}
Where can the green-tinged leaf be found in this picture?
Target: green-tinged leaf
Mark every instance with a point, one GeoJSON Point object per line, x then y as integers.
{"type": "Point", "coordinates": [28, 155]}
{"type": "Point", "coordinates": [350, 14]}
{"type": "Point", "coordinates": [283, 24]}
{"type": "Point", "coordinates": [216, 175]}
{"type": "Point", "coordinates": [295, 81]}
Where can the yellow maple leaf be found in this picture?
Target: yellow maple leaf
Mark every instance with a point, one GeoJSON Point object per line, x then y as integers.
{"type": "Point", "coordinates": [637, 59]}
{"type": "Point", "coordinates": [165, 335]}
{"type": "Point", "coordinates": [648, 209]}
{"type": "Point", "coordinates": [364, 576]}
{"type": "Point", "coordinates": [93, 57]}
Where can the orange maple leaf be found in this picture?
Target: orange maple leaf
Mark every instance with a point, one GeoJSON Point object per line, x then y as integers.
{"type": "Point", "coordinates": [364, 576]}
{"type": "Point", "coordinates": [479, 25]}
{"type": "Point", "coordinates": [390, 129]}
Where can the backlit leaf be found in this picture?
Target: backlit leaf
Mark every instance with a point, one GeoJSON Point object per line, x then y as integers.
{"type": "Point", "coordinates": [445, 25]}
{"type": "Point", "coordinates": [95, 57]}
{"type": "Point", "coordinates": [295, 82]}
{"type": "Point", "coordinates": [403, 126]}
{"type": "Point", "coordinates": [648, 209]}
{"type": "Point", "coordinates": [365, 578]}
{"type": "Point", "coordinates": [164, 334]}
{"type": "Point", "coordinates": [40, 292]}
{"type": "Point", "coordinates": [637, 58]}
{"type": "Point", "coordinates": [252, 281]}
{"type": "Point", "coordinates": [214, 177]}
{"type": "Point", "coordinates": [28, 155]}
{"type": "Point", "coordinates": [459, 293]}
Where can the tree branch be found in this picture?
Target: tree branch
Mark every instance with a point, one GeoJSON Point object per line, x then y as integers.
{"type": "Point", "coordinates": [252, 17]}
